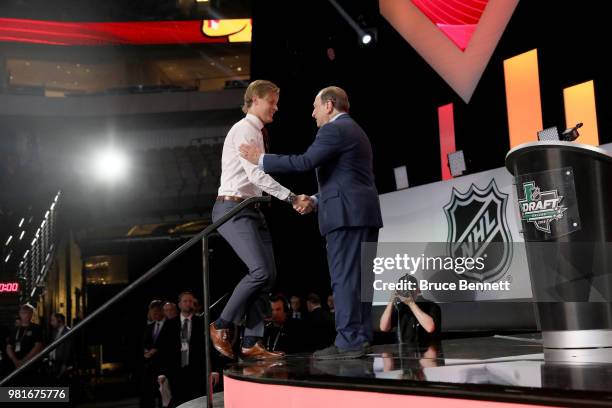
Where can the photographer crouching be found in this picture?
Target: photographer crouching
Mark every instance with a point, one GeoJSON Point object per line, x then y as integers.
{"type": "Point", "coordinates": [418, 320]}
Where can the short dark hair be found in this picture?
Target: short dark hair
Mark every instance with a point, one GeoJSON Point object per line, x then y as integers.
{"type": "Point", "coordinates": [60, 317]}
{"type": "Point", "coordinates": [314, 299]}
{"type": "Point", "coordinates": [180, 296]}
{"type": "Point", "coordinates": [156, 304]}
{"type": "Point", "coordinates": [281, 298]}
{"type": "Point", "coordinates": [337, 96]}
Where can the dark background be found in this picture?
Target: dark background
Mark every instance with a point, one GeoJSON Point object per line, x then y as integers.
{"type": "Point", "coordinates": [394, 96]}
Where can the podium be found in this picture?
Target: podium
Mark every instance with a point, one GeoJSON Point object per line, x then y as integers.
{"type": "Point", "coordinates": [564, 197]}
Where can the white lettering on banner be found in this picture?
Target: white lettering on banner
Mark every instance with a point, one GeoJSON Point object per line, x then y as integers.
{"type": "Point", "coordinates": [540, 205]}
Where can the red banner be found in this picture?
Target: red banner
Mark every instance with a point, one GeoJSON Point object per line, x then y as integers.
{"type": "Point", "coordinates": [115, 33]}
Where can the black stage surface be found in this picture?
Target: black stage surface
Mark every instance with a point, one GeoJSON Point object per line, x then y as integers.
{"type": "Point", "coordinates": [505, 369]}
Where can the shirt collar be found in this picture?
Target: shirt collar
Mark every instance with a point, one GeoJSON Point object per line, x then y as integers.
{"type": "Point", "coordinates": [255, 120]}
{"type": "Point", "coordinates": [337, 116]}
{"type": "Point", "coordinates": [183, 317]}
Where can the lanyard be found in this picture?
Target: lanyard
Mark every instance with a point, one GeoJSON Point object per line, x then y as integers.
{"type": "Point", "coordinates": [18, 338]}
{"type": "Point", "coordinates": [280, 329]}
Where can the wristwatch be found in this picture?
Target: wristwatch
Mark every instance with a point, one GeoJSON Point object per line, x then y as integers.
{"type": "Point", "coordinates": [291, 198]}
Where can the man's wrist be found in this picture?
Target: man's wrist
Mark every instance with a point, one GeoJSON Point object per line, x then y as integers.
{"type": "Point", "coordinates": [291, 198]}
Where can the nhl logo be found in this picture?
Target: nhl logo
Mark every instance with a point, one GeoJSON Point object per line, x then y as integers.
{"type": "Point", "coordinates": [477, 227]}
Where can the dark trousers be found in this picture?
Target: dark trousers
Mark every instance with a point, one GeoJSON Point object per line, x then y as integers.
{"type": "Point", "coordinates": [149, 391]}
{"type": "Point", "coordinates": [189, 383]}
{"type": "Point", "coordinates": [248, 235]}
{"type": "Point", "coordinates": [353, 316]}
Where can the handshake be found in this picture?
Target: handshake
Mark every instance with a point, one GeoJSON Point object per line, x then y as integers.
{"type": "Point", "coordinates": [303, 204]}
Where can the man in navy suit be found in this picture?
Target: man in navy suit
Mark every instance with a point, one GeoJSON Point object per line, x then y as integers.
{"type": "Point", "coordinates": [348, 209]}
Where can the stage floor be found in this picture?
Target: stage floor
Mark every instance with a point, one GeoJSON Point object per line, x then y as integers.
{"type": "Point", "coordinates": [463, 372]}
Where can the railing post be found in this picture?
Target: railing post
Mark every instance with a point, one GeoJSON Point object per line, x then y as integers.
{"type": "Point", "coordinates": [208, 383]}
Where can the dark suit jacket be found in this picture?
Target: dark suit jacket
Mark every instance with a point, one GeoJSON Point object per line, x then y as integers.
{"type": "Point", "coordinates": [321, 328]}
{"type": "Point", "coordinates": [161, 362]}
{"type": "Point", "coordinates": [196, 341]}
{"type": "Point", "coordinates": [342, 156]}
{"type": "Point", "coordinates": [64, 352]}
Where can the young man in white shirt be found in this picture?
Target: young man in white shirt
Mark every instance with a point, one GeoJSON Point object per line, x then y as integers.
{"type": "Point", "coordinates": [247, 232]}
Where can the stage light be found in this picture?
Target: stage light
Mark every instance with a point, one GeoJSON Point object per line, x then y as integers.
{"type": "Point", "coordinates": [401, 178]}
{"type": "Point", "coordinates": [456, 162]}
{"type": "Point", "coordinates": [571, 134]}
{"type": "Point", "coordinates": [110, 165]}
{"type": "Point", "coordinates": [367, 37]}
{"type": "Point", "coordinates": [550, 133]}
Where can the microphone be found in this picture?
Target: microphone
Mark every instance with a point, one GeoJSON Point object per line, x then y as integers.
{"type": "Point", "coordinates": [571, 134]}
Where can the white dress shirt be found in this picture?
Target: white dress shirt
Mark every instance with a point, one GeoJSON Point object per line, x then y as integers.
{"type": "Point", "coordinates": [185, 341]}
{"type": "Point", "coordinates": [239, 177]}
{"type": "Point", "coordinates": [183, 318]}
{"type": "Point", "coordinates": [159, 324]}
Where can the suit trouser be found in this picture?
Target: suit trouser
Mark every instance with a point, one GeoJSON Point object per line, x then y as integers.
{"type": "Point", "coordinates": [353, 317]}
{"type": "Point", "coordinates": [247, 233]}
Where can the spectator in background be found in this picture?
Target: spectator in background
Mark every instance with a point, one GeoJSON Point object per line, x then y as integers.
{"type": "Point", "coordinates": [170, 310]}
{"type": "Point", "coordinates": [60, 359]}
{"type": "Point", "coordinates": [296, 307]}
{"type": "Point", "coordinates": [188, 337]}
{"type": "Point", "coordinates": [320, 324]}
{"type": "Point", "coordinates": [4, 335]}
{"type": "Point", "coordinates": [198, 308]}
{"type": "Point", "coordinates": [330, 304]}
{"type": "Point", "coordinates": [282, 333]}
{"type": "Point", "coordinates": [26, 340]}
{"type": "Point", "coordinates": [158, 345]}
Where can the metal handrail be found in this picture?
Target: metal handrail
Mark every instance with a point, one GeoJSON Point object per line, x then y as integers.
{"type": "Point", "coordinates": [203, 235]}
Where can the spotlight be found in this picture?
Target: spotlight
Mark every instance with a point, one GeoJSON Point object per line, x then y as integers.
{"type": "Point", "coordinates": [367, 37]}
{"type": "Point", "coordinates": [110, 165]}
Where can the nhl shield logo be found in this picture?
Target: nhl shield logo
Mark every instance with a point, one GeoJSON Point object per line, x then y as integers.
{"type": "Point", "coordinates": [477, 227]}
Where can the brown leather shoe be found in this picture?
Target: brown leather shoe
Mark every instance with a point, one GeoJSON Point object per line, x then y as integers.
{"type": "Point", "coordinates": [259, 352]}
{"type": "Point", "coordinates": [221, 340]}
{"type": "Point", "coordinates": [259, 368]}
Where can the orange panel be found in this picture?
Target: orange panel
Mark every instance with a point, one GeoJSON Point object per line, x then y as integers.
{"type": "Point", "coordinates": [580, 107]}
{"type": "Point", "coordinates": [523, 97]}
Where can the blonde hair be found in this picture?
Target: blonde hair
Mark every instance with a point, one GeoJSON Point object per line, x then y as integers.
{"type": "Point", "coordinates": [260, 88]}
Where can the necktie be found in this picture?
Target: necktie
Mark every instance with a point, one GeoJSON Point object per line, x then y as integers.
{"type": "Point", "coordinates": [266, 139]}
{"type": "Point", "coordinates": [156, 331]}
{"type": "Point", "coordinates": [184, 341]}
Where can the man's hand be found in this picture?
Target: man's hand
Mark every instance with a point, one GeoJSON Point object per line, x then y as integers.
{"type": "Point", "coordinates": [251, 152]}
{"type": "Point", "coordinates": [404, 300]}
{"type": "Point", "coordinates": [303, 204]}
